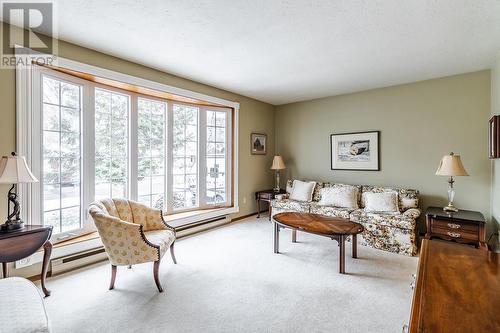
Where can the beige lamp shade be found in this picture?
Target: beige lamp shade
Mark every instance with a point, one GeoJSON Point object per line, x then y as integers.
{"type": "Point", "coordinates": [278, 163]}
{"type": "Point", "coordinates": [451, 165]}
{"type": "Point", "coordinates": [14, 170]}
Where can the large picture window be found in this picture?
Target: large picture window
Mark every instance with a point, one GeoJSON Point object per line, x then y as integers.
{"type": "Point", "coordinates": [98, 141]}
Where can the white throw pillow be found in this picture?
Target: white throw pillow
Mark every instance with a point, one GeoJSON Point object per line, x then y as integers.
{"type": "Point", "coordinates": [302, 191]}
{"type": "Point", "coordinates": [381, 202]}
{"type": "Point", "coordinates": [342, 196]}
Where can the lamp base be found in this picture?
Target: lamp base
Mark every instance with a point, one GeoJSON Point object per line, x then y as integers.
{"type": "Point", "coordinates": [12, 225]}
{"type": "Point", "coordinates": [276, 189]}
{"type": "Point", "coordinates": [450, 208]}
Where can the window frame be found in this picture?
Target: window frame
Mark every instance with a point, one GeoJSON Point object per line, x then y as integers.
{"type": "Point", "coordinates": [27, 96]}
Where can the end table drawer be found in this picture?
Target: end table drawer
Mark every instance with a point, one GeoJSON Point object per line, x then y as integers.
{"type": "Point", "coordinates": [456, 234]}
{"type": "Point", "coordinates": [455, 226]}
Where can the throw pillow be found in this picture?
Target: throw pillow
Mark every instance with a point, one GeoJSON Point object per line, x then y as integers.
{"type": "Point", "coordinates": [344, 196]}
{"type": "Point", "coordinates": [289, 186]}
{"type": "Point", "coordinates": [302, 191]}
{"type": "Point", "coordinates": [381, 202]}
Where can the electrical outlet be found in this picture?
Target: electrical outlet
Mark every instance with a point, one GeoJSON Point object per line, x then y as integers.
{"type": "Point", "coordinates": [244, 200]}
{"type": "Point", "coordinates": [23, 262]}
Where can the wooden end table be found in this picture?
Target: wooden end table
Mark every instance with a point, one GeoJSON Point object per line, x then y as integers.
{"type": "Point", "coordinates": [335, 228]}
{"type": "Point", "coordinates": [267, 196]}
{"type": "Point", "coordinates": [22, 243]}
{"type": "Point", "coordinates": [464, 226]}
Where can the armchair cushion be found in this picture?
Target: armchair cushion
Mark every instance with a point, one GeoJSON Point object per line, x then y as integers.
{"type": "Point", "coordinates": [161, 238]}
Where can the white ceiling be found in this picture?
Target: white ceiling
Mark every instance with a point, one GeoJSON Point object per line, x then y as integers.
{"type": "Point", "coordinates": [281, 51]}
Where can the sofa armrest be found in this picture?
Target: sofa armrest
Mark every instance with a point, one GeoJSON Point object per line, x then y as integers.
{"type": "Point", "coordinates": [413, 213]}
{"type": "Point", "coordinates": [281, 196]}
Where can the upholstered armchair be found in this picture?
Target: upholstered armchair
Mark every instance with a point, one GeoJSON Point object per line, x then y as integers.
{"type": "Point", "coordinates": [132, 234]}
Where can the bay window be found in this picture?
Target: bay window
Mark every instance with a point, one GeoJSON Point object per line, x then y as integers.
{"type": "Point", "coordinates": [92, 141]}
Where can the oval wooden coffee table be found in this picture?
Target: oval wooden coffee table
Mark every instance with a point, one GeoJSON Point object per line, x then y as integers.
{"type": "Point", "coordinates": [332, 227]}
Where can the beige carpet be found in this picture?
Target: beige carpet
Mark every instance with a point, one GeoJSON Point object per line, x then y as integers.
{"type": "Point", "coordinates": [229, 280]}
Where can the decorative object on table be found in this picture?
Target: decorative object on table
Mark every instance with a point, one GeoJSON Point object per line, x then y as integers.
{"type": "Point", "coordinates": [451, 166]}
{"type": "Point", "coordinates": [494, 137]}
{"type": "Point", "coordinates": [22, 243]}
{"type": "Point", "coordinates": [355, 151]}
{"type": "Point", "coordinates": [267, 196]}
{"type": "Point", "coordinates": [336, 228]}
{"type": "Point", "coordinates": [278, 165]}
{"type": "Point", "coordinates": [258, 144]}
{"type": "Point", "coordinates": [14, 170]}
{"type": "Point", "coordinates": [465, 226]}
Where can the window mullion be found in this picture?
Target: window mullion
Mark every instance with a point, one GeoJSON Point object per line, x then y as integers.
{"type": "Point", "coordinates": [133, 144]}
{"type": "Point", "coordinates": [169, 159]}
{"type": "Point", "coordinates": [202, 158]}
{"type": "Point", "coordinates": [88, 158]}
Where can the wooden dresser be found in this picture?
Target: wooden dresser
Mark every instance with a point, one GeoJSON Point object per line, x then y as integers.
{"type": "Point", "coordinates": [457, 289]}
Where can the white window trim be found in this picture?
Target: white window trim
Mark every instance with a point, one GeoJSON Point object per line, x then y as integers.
{"type": "Point", "coordinates": [24, 122]}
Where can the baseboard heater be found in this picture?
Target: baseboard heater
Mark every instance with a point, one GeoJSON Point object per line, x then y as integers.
{"type": "Point", "coordinates": [195, 227]}
{"type": "Point", "coordinates": [85, 258]}
{"type": "Point", "coordinates": [77, 260]}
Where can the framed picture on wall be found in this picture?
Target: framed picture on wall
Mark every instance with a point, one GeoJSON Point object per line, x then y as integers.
{"type": "Point", "coordinates": [355, 151]}
{"type": "Point", "coordinates": [494, 136]}
{"type": "Point", "coordinates": [258, 144]}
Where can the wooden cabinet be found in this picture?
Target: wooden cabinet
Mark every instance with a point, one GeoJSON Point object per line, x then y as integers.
{"type": "Point", "coordinates": [464, 226]}
{"type": "Point", "coordinates": [457, 289]}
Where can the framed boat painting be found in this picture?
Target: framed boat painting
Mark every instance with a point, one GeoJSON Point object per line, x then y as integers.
{"type": "Point", "coordinates": [355, 151]}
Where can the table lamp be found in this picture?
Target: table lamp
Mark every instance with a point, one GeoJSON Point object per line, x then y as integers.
{"type": "Point", "coordinates": [451, 165]}
{"type": "Point", "coordinates": [278, 165]}
{"type": "Point", "coordinates": [14, 170]}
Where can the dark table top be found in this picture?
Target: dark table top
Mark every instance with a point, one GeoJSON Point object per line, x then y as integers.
{"type": "Point", "coordinates": [465, 215]}
{"type": "Point", "coordinates": [28, 229]}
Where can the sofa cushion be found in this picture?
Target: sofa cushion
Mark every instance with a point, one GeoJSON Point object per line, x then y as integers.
{"type": "Point", "coordinates": [388, 219]}
{"type": "Point", "coordinates": [302, 191]}
{"type": "Point", "coordinates": [337, 185]}
{"type": "Point", "coordinates": [345, 196]}
{"type": "Point", "coordinates": [331, 211]}
{"type": "Point", "coordinates": [316, 192]}
{"type": "Point", "coordinates": [381, 202]}
{"type": "Point", "coordinates": [407, 198]}
{"type": "Point", "coordinates": [291, 205]}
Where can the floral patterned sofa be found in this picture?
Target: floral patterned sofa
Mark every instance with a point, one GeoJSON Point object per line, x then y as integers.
{"type": "Point", "coordinates": [390, 231]}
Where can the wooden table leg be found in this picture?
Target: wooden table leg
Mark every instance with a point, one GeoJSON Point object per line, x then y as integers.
{"type": "Point", "coordinates": [342, 254]}
{"type": "Point", "coordinates": [294, 236]}
{"type": "Point", "coordinates": [5, 270]}
{"type": "Point", "coordinates": [276, 237]}
{"type": "Point", "coordinates": [270, 209]}
{"type": "Point", "coordinates": [354, 246]}
{"type": "Point", "coordinates": [47, 250]}
{"type": "Point", "coordinates": [258, 207]}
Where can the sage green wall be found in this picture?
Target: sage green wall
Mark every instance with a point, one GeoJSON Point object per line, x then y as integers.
{"type": "Point", "coordinates": [495, 172]}
{"type": "Point", "coordinates": [254, 116]}
{"type": "Point", "coordinates": [419, 123]}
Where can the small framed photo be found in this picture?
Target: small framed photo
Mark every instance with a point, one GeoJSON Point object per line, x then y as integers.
{"type": "Point", "coordinates": [355, 151]}
{"type": "Point", "coordinates": [258, 144]}
{"type": "Point", "coordinates": [494, 136]}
